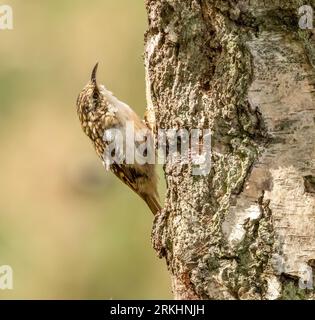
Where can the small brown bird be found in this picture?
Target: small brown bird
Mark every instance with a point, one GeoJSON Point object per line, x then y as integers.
{"type": "Point", "coordinates": [99, 111]}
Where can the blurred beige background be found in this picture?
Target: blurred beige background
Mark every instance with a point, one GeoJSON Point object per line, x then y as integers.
{"type": "Point", "coordinates": [69, 229]}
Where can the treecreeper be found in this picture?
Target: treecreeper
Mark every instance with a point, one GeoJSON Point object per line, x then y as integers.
{"type": "Point", "coordinates": [102, 115]}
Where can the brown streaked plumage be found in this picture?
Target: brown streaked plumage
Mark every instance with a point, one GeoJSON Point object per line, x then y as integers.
{"type": "Point", "coordinates": [98, 111]}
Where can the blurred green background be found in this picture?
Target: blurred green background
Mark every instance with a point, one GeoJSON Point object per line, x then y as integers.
{"type": "Point", "coordinates": [69, 229]}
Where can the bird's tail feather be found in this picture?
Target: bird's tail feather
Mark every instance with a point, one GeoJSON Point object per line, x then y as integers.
{"type": "Point", "coordinates": [152, 203]}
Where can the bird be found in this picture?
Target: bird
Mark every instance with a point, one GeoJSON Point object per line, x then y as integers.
{"type": "Point", "coordinates": [99, 111]}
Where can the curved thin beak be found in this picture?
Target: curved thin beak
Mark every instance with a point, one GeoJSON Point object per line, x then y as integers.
{"type": "Point", "coordinates": [94, 72]}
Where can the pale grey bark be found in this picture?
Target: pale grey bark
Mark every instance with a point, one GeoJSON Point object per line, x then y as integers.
{"type": "Point", "coordinates": [245, 70]}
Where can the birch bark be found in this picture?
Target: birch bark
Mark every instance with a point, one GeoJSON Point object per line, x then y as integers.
{"type": "Point", "coordinates": [244, 69]}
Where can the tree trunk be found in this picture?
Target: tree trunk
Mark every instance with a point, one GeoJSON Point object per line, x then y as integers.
{"type": "Point", "coordinates": [245, 70]}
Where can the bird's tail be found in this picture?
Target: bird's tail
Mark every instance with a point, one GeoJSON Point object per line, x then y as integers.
{"type": "Point", "coordinates": [152, 203]}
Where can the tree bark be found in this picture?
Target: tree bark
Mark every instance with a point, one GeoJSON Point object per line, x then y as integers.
{"type": "Point", "coordinates": [245, 70]}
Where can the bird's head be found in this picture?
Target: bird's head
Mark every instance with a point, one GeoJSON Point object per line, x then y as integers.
{"type": "Point", "coordinates": [89, 98]}
{"type": "Point", "coordinates": [91, 105]}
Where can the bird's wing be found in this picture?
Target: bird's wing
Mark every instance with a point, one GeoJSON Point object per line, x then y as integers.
{"type": "Point", "coordinates": [134, 180]}
{"type": "Point", "coordinates": [124, 173]}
